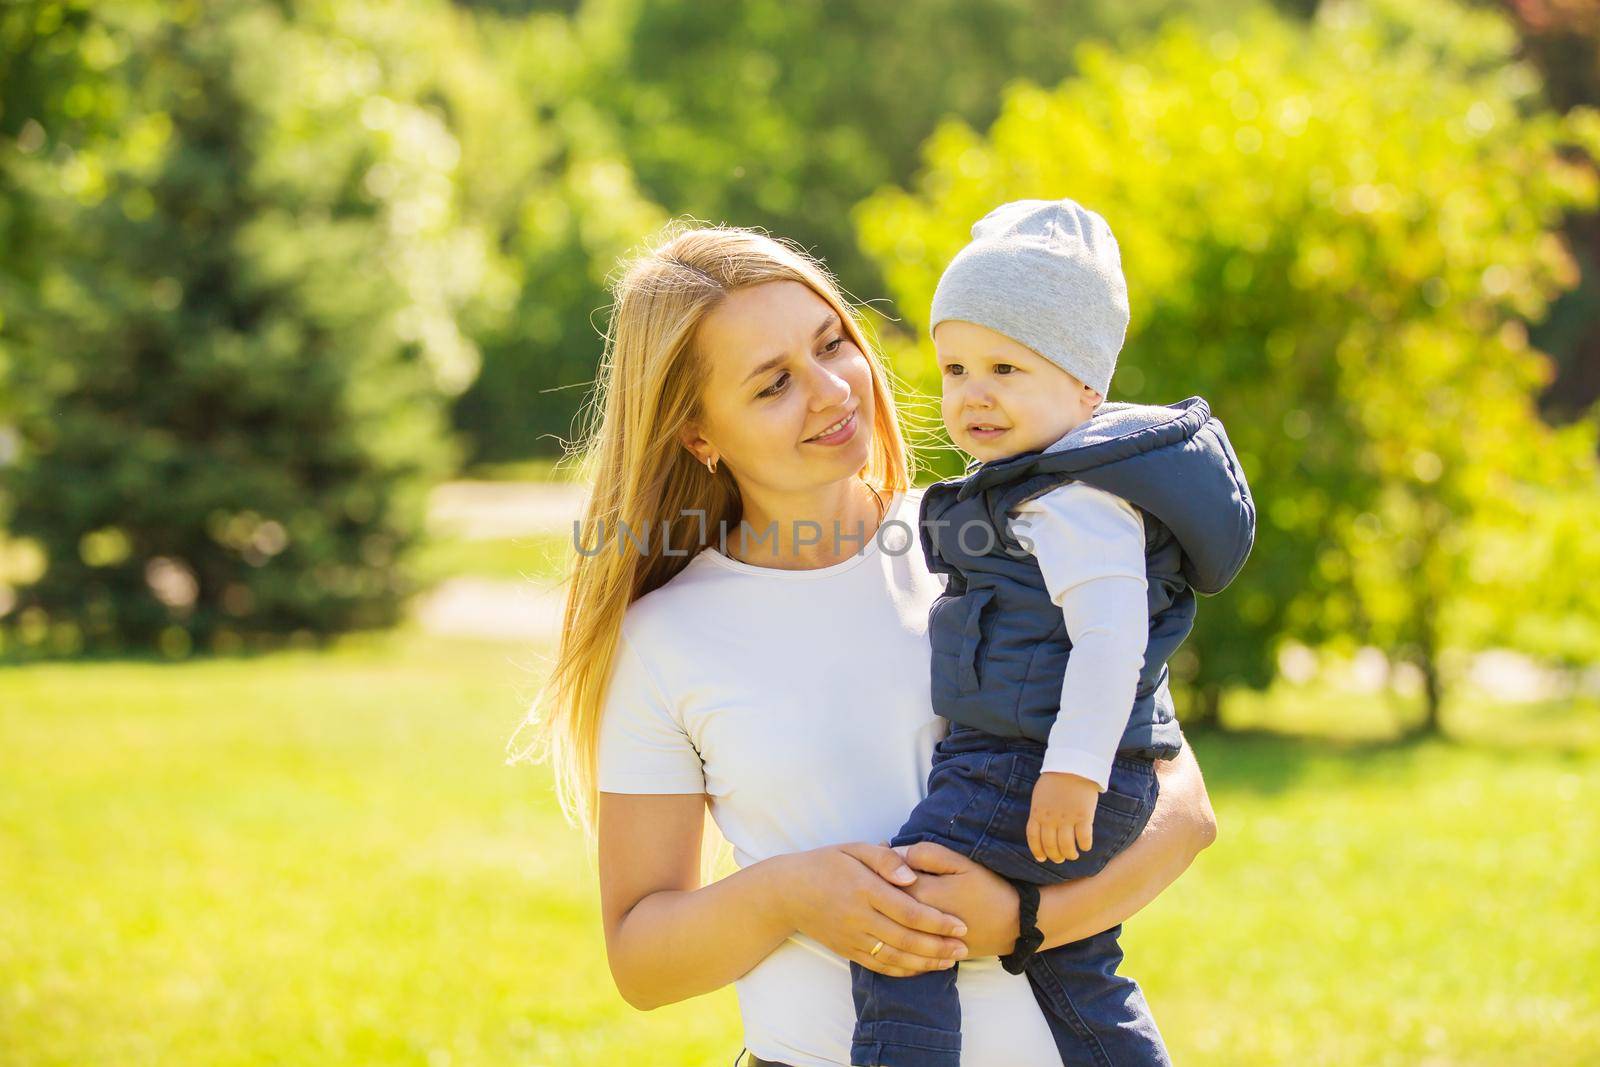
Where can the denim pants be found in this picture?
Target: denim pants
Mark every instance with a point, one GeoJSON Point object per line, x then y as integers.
{"type": "Point", "coordinates": [979, 793]}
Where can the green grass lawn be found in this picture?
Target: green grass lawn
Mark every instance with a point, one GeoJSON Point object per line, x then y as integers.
{"type": "Point", "coordinates": [314, 858]}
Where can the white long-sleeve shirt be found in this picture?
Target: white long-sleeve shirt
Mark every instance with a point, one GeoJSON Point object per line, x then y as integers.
{"type": "Point", "coordinates": [1090, 548]}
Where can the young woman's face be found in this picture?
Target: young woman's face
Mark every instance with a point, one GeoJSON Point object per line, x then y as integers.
{"type": "Point", "coordinates": [1001, 398]}
{"type": "Point", "coordinates": [782, 375]}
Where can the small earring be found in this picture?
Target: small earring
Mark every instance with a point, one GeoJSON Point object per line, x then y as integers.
{"type": "Point", "coordinates": [711, 465]}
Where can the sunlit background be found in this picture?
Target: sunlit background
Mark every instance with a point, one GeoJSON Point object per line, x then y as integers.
{"type": "Point", "coordinates": [300, 302]}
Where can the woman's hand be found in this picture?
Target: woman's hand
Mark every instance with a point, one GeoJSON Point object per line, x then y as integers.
{"type": "Point", "coordinates": [1181, 825]}
{"type": "Point", "coordinates": [845, 897]}
{"type": "Point", "coordinates": [960, 886]}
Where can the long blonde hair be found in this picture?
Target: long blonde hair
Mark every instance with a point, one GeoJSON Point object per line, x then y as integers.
{"type": "Point", "coordinates": [640, 475]}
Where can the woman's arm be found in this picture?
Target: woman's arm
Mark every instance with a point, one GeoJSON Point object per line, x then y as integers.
{"type": "Point", "coordinates": [668, 938]}
{"type": "Point", "coordinates": [1180, 826]}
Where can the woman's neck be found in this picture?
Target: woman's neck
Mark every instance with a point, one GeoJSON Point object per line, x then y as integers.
{"type": "Point", "coordinates": [806, 531]}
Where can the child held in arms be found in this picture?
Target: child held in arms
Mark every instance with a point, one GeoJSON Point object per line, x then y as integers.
{"type": "Point", "coordinates": [1074, 546]}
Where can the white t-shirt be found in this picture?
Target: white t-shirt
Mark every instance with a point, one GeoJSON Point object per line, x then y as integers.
{"type": "Point", "coordinates": [1089, 545]}
{"type": "Point", "coordinates": [798, 701]}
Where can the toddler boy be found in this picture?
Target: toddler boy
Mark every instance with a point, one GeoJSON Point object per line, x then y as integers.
{"type": "Point", "coordinates": [1074, 546]}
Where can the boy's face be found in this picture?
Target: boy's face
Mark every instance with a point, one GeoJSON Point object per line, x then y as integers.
{"type": "Point", "coordinates": [1001, 397]}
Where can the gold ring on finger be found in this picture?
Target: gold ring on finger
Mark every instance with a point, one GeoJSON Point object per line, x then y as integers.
{"type": "Point", "coordinates": [875, 949]}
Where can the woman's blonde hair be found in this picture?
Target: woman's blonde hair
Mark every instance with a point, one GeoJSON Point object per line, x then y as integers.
{"type": "Point", "coordinates": [640, 475]}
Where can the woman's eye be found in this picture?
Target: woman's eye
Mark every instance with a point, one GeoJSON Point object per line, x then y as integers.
{"type": "Point", "coordinates": [778, 386]}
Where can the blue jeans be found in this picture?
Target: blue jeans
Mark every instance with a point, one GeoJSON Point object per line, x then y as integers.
{"type": "Point", "coordinates": [979, 792]}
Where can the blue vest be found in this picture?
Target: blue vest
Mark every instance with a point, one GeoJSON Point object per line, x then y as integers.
{"type": "Point", "coordinates": [1000, 645]}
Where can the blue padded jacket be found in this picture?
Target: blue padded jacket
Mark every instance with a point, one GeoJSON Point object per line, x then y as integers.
{"type": "Point", "coordinates": [1000, 645]}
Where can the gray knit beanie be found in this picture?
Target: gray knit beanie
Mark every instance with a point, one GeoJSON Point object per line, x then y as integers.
{"type": "Point", "coordinates": [1047, 274]}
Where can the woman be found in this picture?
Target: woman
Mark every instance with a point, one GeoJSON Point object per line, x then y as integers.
{"type": "Point", "coordinates": [745, 630]}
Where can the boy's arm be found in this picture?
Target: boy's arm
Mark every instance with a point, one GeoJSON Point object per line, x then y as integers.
{"type": "Point", "coordinates": [1182, 824]}
{"type": "Point", "coordinates": [1109, 622]}
{"type": "Point", "coordinates": [1090, 548]}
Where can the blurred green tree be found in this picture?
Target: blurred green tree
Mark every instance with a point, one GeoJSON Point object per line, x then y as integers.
{"type": "Point", "coordinates": [1562, 38]}
{"type": "Point", "coordinates": [755, 112]}
{"type": "Point", "coordinates": [785, 115]}
{"type": "Point", "coordinates": [1336, 235]}
{"type": "Point", "coordinates": [44, 100]}
{"type": "Point", "coordinates": [543, 173]}
{"type": "Point", "coordinates": [231, 337]}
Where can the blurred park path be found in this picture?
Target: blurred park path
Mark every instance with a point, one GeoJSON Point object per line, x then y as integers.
{"type": "Point", "coordinates": [481, 511]}
{"type": "Point", "coordinates": [491, 609]}
{"type": "Point", "coordinates": [497, 608]}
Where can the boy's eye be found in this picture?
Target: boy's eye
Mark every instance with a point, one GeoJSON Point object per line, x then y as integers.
{"type": "Point", "coordinates": [952, 368]}
{"type": "Point", "coordinates": [1006, 367]}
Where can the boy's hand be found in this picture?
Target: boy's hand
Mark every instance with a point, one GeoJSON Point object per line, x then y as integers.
{"type": "Point", "coordinates": [1061, 819]}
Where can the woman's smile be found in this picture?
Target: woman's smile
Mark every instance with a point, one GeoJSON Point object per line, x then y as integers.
{"type": "Point", "coordinates": [837, 434]}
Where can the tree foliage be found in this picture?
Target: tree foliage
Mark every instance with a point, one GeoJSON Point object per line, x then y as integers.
{"type": "Point", "coordinates": [785, 115]}
{"type": "Point", "coordinates": [1335, 234]}
{"type": "Point", "coordinates": [232, 343]}
{"type": "Point", "coordinates": [544, 174]}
